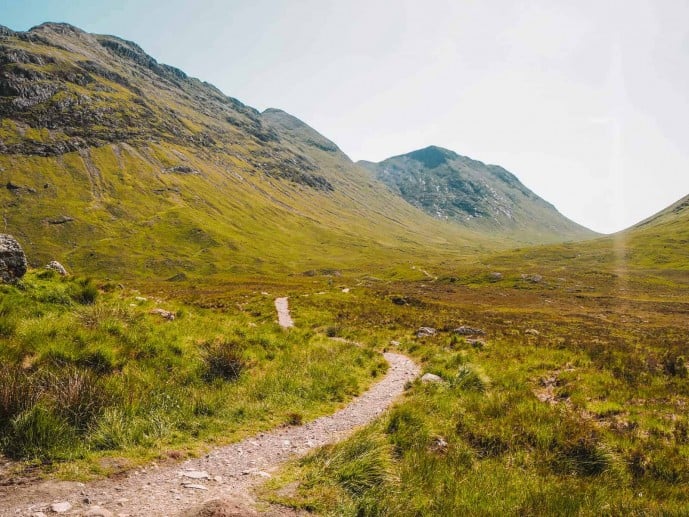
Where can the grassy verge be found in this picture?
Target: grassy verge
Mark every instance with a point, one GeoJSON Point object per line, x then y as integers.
{"type": "Point", "coordinates": [93, 380]}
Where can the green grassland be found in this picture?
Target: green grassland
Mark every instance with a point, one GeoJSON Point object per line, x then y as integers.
{"type": "Point", "coordinates": [573, 403]}
{"type": "Point", "coordinates": [91, 380]}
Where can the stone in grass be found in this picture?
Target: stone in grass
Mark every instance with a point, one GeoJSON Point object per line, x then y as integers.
{"type": "Point", "coordinates": [439, 444]}
{"type": "Point", "coordinates": [468, 331]}
{"type": "Point", "coordinates": [431, 378]}
{"type": "Point", "coordinates": [426, 332]}
{"type": "Point", "coordinates": [534, 279]}
{"type": "Point", "coordinates": [164, 314]}
{"type": "Point", "coordinates": [54, 265]}
{"type": "Point", "coordinates": [476, 343]}
{"type": "Point", "coordinates": [12, 259]}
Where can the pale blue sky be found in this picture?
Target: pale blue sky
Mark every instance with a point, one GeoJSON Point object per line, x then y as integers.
{"type": "Point", "coordinates": [585, 101]}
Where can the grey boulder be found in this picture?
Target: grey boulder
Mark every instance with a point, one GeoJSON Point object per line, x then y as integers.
{"type": "Point", "coordinates": [54, 265]}
{"type": "Point", "coordinates": [12, 259]}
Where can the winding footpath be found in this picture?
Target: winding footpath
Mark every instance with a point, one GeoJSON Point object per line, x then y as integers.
{"type": "Point", "coordinates": [229, 471]}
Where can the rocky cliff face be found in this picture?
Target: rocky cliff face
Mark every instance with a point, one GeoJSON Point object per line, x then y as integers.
{"type": "Point", "coordinates": [473, 194]}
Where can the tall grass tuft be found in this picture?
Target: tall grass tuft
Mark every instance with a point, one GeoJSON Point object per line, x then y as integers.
{"type": "Point", "coordinates": [77, 395]}
{"type": "Point", "coordinates": [471, 378]}
{"type": "Point", "coordinates": [18, 392]}
{"type": "Point", "coordinates": [38, 433]}
{"type": "Point", "coordinates": [358, 465]}
{"type": "Point", "coordinates": [84, 292]}
{"type": "Point", "coordinates": [224, 360]}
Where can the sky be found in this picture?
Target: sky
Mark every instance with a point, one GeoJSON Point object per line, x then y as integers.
{"type": "Point", "coordinates": [586, 102]}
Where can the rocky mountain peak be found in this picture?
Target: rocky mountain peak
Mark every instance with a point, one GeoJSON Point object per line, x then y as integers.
{"type": "Point", "coordinates": [432, 156]}
{"type": "Point", "coordinates": [57, 27]}
{"type": "Point", "coordinates": [469, 192]}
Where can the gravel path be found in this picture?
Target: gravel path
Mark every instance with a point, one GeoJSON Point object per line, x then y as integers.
{"type": "Point", "coordinates": [284, 318]}
{"type": "Point", "coordinates": [227, 470]}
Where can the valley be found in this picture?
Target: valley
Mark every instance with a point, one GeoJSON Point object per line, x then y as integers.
{"type": "Point", "coordinates": [305, 334]}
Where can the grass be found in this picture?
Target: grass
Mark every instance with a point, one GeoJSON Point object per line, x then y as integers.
{"type": "Point", "coordinates": [87, 372]}
{"type": "Point", "coordinates": [611, 440]}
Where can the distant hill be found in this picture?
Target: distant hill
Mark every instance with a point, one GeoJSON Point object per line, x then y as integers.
{"type": "Point", "coordinates": [675, 214]}
{"type": "Point", "coordinates": [485, 198]}
{"type": "Point", "coordinates": [662, 240]}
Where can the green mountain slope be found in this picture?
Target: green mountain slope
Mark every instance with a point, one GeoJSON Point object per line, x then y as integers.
{"type": "Point", "coordinates": [114, 163]}
{"type": "Point", "coordinates": [662, 240]}
{"type": "Point", "coordinates": [486, 198]}
{"type": "Point", "coordinates": [656, 249]}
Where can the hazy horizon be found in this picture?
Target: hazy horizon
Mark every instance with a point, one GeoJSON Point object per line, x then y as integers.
{"type": "Point", "coordinates": [585, 103]}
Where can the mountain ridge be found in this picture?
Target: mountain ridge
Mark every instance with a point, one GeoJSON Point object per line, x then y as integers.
{"type": "Point", "coordinates": [100, 145]}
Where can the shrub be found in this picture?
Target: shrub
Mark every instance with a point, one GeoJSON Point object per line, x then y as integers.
{"type": "Point", "coordinates": [47, 274]}
{"type": "Point", "coordinates": [77, 395]}
{"type": "Point", "coordinates": [470, 378]}
{"type": "Point", "coordinates": [332, 331]}
{"type": "Point", "coordinates": [98, 361]}
{"type": "Point", "coordinates": [582, 454]}
{"type": "Point", "coordinates": [295, 419]}
{"type": "Point", "coordinates": [83, 292]}
{"type": "Point", "coordinates": [224, 360]}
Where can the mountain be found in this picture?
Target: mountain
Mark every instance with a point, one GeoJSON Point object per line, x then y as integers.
{"type": "Point", "coordinates": [486, 198]}
{"type": "Point", "coordinates": [112, 162]}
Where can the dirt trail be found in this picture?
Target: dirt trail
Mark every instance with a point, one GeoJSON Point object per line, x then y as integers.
{"type": "Point", "coordinates": [225, 472]}
{"type": "Point", "coordinates": [284, 318]}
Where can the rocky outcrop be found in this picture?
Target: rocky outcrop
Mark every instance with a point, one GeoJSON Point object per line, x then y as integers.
{"type": "Point", "coordinates": [12, 259]}
{"type": "Point", "coordinates": [62, 219]}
